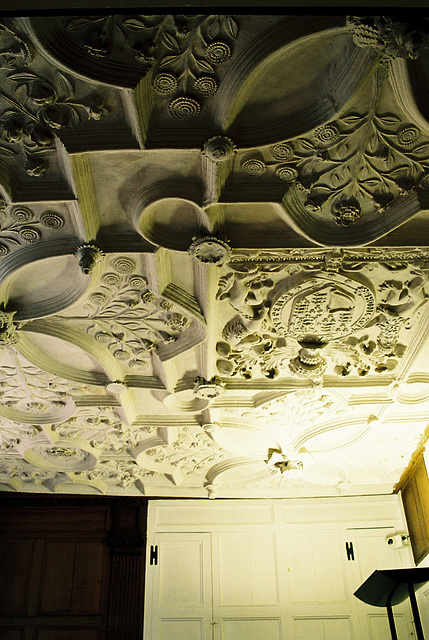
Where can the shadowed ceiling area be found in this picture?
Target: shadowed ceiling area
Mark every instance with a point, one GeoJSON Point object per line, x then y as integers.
{"type": "Point", "coordinates": [214, 266]}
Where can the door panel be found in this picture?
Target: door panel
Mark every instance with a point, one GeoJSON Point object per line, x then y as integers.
{"type": "Point", "coordinates": [178, 629]}
{"type": "Point", "coordinates": [372, 552]}
{"type": "Point", "coordinates": [182, 589]}
{"type": "Point", "coordinates": [254, 628]}
{"type": "Point", "coordinates": [312, 558]}
{"type": "Point", "coordinates": [322, 628]}
{"type": "Point", "coordinates": [247, 569]}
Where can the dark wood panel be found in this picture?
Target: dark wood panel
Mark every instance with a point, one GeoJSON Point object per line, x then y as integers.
{"type": "Point", "coordinates": [11, 634]}
{"type": "Point", "coordinates": [16, 558]}
{"type": "Point", "coordinates": [57, 579]}
{"type": "Point", "coordinates": [55, 519]}
{"type": "Point", "coordinates": [61, 633]}
{"type": "Point", "coordinates": [79, 567]}
{"type": "Point", "coordinates": [87, 577]}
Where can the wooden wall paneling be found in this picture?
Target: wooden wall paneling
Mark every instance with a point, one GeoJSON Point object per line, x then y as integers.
{"type": "Point", "coordinates": [415, 497]}
{"type": "Point", "coordinates": [127, 541]}
{"type": "Point", "coordinates": [57, 577]}
{"type": "Point", "coordinates": [72, 568]}
{"type": "Point", "coordinates": [16, 557]}
{"type": "Point", "coordinates": [88, 577]}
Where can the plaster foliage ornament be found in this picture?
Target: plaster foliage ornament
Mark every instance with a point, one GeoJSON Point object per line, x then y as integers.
{"type": "Point", "coordinates": [17, 468]}
{"type": "Point", "coordinates": [219, 149]}
{"type": "Point", "coordinates": [19, 225]}
{"type": "Point", "coordinates": [116, 473]}
{"type": "Point", "coordinates": [88, 256]}
{"type": "Point", "coordinates": [13, 434]}
{"type": "Point", "coordinates": [394, 39]}
{"type": "Point", "coordinates": [181, 51]}
{"type": "Point", "coordinates": [35, 108]}
{"type": "Point", "coordinates": [101, 427]}
{"type": "Point", "coordinates": [60, 457]}
{"type": "Point", "coordinates": [187, 52]}
{"type": "Point", "coordinates": [355, 166]}
{"type": "Point", "coordinates": [210, 250]}
{"type": "Point", "coordinates": [127, 318]}
{"type": "Point", "coordinates": [287, 416]}
{"type": "Point", "coordinates": [35, 395]}
{"type": "Point", "coordinates": [371, 161]}
{"type": "Point", "coordinates": [191, 454]}
{"type": "Point", "coordinates": [208, 389]}
{"type": "Point", "coordinates": [105, 36]}
{"type": "Point", "coordinates": [9, 335]}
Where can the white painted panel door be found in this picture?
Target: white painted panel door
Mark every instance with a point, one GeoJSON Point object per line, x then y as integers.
{"type": "Point", "coordinates": [317, 585]}
{"type": "Point", "coordinates": [371, 553]}
{"type": "Point", "coordinates": [246, 599]}
{"type": "Point", "coordinates": [181, 588]}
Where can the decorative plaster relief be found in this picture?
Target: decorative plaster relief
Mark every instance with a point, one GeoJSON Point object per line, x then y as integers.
{"type": "Point", "coordinates": [19, 225]}
{"type": "Point", "coordinates": [130, 320]}
{"type": "Point", "coordinates": [319, 310]}
{"type": "Point", "coordinates": [100, 427]}
{"type": "Point", "coordinates": [394, 39]}
{"type": "Point", "coordinates": [33, 106]}
{"type": "Point", "coordinates": [182, 52]}
{"type": "Point", "coordinates": [191, 454]}
{"type": "Point", "coordinates": [210, 250]}
{"type": "Point", "coordinates": [350, 170]}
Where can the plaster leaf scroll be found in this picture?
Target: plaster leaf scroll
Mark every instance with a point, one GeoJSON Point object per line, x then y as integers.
{"type": "Point", "coordinates": [182, 52]}
{"type": "Point", "coordinates": [101, 427]}
{"type": "Point", "coordinates": [30, 395]}
{"type": "Point", "coordinates": [189, 52]}
{"type": "Point", "coordinates": [34, 108]}
{"type": "Point", "coordinates": [353, 166]}
{"type": "Point", "coordinates": [191, 454]}
{"type": "Point", "coordinates": [129, 319]}
{"type": "Point", "coordinates": [19, 470]}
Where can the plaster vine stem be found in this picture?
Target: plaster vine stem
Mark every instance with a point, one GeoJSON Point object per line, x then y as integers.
{"type": "Point", "coordinates": [104, 324]}
{"type": "Point", "coordinates": [378, 82]}
{"type": "Point", "coordinates": [22, 376]}
{"type": "Point", "coordinates": [20, 107]}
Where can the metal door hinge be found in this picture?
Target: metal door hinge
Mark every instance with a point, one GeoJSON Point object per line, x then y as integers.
{"type": "Point", "coordinates": [350, 551]}
{"type": "Point", "coordinates": [153, 555]}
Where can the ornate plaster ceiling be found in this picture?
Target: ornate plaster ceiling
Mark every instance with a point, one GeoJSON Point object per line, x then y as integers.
{"type": "Point", "coordinates": [214, 268]}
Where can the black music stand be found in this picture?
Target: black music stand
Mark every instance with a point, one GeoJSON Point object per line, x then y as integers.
{"type": "Point", "coordinates": [387, 587]}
